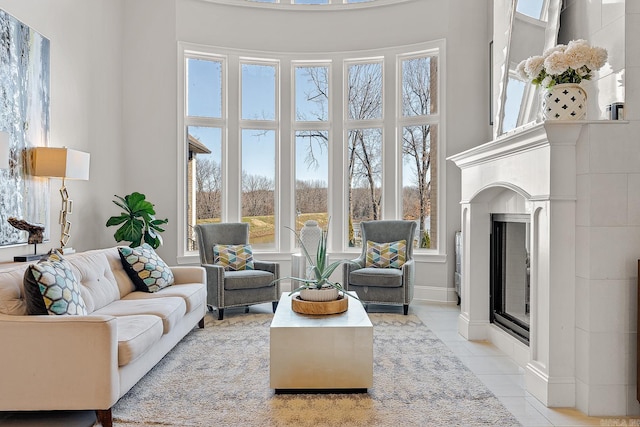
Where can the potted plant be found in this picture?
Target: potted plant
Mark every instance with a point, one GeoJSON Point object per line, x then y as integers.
{"type": "Point", "coordinates": [137, 223]}
{"type": "Point", "coordinates": [318, 286]}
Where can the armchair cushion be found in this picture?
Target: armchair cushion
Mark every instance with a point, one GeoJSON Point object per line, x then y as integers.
{"type": "Point", "coordinates": [147, 270]}
{"type": "Point", "coordinates": [247, 279]}
{"type": "Point", "coordinates": [233, 257]}
{"type": "Point", "coordinates": [51, 287]}
{"type": "Point", "coordinates": [378, 277]}
{"type": "Point", "coordinates": [386, 255]}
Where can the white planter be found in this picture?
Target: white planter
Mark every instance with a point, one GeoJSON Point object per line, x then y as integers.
{"type": "Point", "coordinates": [566, 101]}
{"type": "Point", "coordinates": [310, 235]}
{"type": "Point", "coordinates": [325, 294]}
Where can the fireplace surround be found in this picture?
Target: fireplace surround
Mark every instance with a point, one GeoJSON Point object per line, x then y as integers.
{"type": "Point", "coordinates": [575, 181]}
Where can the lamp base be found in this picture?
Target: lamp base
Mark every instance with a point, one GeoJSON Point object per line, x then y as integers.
{"type": "Point", "coordinates": [27, 258]}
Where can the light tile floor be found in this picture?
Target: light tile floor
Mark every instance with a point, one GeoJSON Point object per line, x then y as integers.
{"type": "Point", "coordinates": [501, 375]}
{"type": "Point", "coordinates": [498, 372]}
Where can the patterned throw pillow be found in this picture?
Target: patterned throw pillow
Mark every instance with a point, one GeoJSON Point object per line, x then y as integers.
{"type": "Point", "coordinates": [147, 270]}
{"type": "Point", "coordinates": [386, 255]}
{"type": "Point", "coordinates": [51, 288]}
{"type": "Point", "coordinates": [233, 257]}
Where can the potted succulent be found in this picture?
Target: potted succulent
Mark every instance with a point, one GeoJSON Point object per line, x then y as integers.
{"type": "Point", "coordinates": [318, 286]}
{"type": "Point", "coordinates": [138, 223]}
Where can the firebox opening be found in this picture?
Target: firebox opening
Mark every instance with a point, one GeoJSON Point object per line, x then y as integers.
{"type": "Point", "coordinates": [510, 274]}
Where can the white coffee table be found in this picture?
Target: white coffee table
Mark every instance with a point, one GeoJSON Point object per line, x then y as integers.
{"type": "Point", "coordinates": [321, 352]}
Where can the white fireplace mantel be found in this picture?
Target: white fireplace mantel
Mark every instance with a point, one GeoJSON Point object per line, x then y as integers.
{"type": "Point", "coordinates": [532, 171]}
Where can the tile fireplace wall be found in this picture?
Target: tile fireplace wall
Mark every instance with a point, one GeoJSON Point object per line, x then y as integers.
{"type": "Point", "coordinates": [578, 182]}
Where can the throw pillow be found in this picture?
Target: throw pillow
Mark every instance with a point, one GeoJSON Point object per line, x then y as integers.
{"type": "Point", "coordinates": [50, 287]}
{"type": "Point", "coordinates": [233, 257]}
{"type": "Point", "coordinates": [386, 255]}
{"type": "Point", "coordinates": [145, 268]}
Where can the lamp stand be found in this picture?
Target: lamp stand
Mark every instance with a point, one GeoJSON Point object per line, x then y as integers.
{"type": "Point", "coordinates": [65, 224]}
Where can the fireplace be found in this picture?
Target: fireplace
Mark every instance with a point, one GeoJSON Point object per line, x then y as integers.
{"type": "Point", "coordinates": [510, 284]}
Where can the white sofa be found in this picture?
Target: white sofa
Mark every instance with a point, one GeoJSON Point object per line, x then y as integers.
{"type": "Point", "coordinates": [51, 362]}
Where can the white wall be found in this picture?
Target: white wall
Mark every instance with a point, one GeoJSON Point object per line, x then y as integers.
{"type": "Point", "coordinates": [86, 109]}
{"type": "Point", "coordinates": [114, 87]}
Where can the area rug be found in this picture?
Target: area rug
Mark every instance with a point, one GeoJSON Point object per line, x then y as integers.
{"type": "Point", "coordinates": [219, 376]}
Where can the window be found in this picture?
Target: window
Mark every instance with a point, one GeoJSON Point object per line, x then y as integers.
{"type": "Point", "coordinates": [311, 130]}
{"type": "Point", "coordinates": [419, 94]}
{"type": "Point", "coordinates": [317, 136]}
{"type": "Point", "coordinates": [203, 138]}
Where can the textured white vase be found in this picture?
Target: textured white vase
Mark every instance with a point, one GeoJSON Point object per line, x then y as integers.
{"type": "Point", "coordinates": [324, 294]}
{"type": "Point", "coordinates": [566, 101]}
{"type": "Point", "coordinates": [310, 236]}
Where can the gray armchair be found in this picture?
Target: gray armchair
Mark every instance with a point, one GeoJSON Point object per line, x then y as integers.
{"type": "Point", "coordinates": [383, 285]}
{"type": "Point", "coordinates": [235, 288]}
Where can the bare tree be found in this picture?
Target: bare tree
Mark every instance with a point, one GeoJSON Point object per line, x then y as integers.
{"type": "Point", "coordinates": [419, 94]}
{"type": "Point", "coordinates": [208, 188]}
{"type": "Point", "coordinates": [257, 195]}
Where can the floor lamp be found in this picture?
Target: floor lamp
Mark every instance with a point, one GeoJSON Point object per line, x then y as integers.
{"type": "Point", "coordinates": [62, 163]}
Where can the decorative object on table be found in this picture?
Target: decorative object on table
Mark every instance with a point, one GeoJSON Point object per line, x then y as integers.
{"type": "Point", "coordinates": [615, 111]}
{"type": "Point", "coordinates": [36, 235]}
{"type": "Point", "coordinates": [25, 88]}
{"type": "Point", "coordinates": [560, 70]}
{"type": "Point", "coordinates": [138, 223]}
{"type": "Point", "coordinates": [62, 163]}
{"type": "Point", "coordinates": [310, 236]}
{"type": "Point", "coordinates": [318, 287]}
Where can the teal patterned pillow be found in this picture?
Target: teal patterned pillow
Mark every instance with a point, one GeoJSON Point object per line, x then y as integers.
{"type": "Point", "coordinates": [386, 255]}
{"type": "Point", "coordinates": [147, 270]}
{"type": "Point", "coordinates": [50, 287]}
{"type": "Point", "coordinates": [233, 257]}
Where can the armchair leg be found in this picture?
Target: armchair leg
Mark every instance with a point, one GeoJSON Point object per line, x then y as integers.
{"type": "Point", "coordinates": [274, 305]}
{"type": "Point", "coordinates": [220, 313]}
{"type": "Point", "coordinates": [201, 323]}
{"type": "Point", "coordinates": [405, 308]}
{"type": "Point", "coordinates": [104, 417]}
{"type": "Point", "coordinates": [246, 308]}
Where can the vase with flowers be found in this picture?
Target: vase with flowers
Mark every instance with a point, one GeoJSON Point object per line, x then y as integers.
{"type": "Point", "coordinates": [560, 70]}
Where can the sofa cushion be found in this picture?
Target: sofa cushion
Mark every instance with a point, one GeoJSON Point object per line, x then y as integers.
{"type": "Point", "coordinates": [147, 270]}
{"type": "Point", "coordinates": [51, 287]}
{"type": "Point", "coordinates": [233, 257]}
{"type": "Point", "coordinates": [386, 255]}
{"type": "Point", "coordinates": [247, 279]}
{"type": "Point", "coordinates": [169, 309]}
{"type": "Point", "coordinates": [136, 334]}
{"type": "Point", "coordinates": [99, 286]}
{"type": "Point", "coordinates": [193, 294]}
{"type": "Point", "coordinates": [12, 299]}
{"type": "Point", "coordinates": [372, 276]}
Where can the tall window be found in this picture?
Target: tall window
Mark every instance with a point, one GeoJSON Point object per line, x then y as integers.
{"type": "Point", "coordinates": [311, 130]}
{"type": "Point", "coordinates": [419, 94]}
{"type": "Point", "coordinates": [204, 143]}
{"type": "Point", "coordinates": [364, 151]}
{"type": "Point", "coordinates": [259, 123]}
{"type": "Point", "coordinates": [279, 140]}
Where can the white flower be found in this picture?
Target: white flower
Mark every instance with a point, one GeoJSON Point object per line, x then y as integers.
{"type": "Point", "coordinates": [558, 48]}
{"type": "Point", "coordinates": [546, 82]}
{"type": "Point", "coordinates": [578, 55]}
{"type": "Point", "coordinates": [597, 58]}
{"type": "Point", "coordinates": [533, 66]}
{"type": "Point", "coordinates": [556, 63]}
{"type": "Point", "coordinates": [521, 73]}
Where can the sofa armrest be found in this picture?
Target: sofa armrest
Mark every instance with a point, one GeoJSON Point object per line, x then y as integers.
{"type": "Point", "coordinates": [44, 353]}
{"type": "Point", "coordinates": [189, 274]}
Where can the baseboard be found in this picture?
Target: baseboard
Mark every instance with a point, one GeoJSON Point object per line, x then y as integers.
{"type": "Point", "coordinates": [436, 294]}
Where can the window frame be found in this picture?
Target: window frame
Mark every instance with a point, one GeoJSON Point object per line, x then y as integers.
{"type": "Point", "coordinates": [285, 136]}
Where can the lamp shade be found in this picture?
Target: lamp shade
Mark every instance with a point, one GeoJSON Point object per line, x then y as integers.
{"type": "Point", "coordinates": [4, 150]}
{"type": "Point", "coordinates": [60, 163]}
